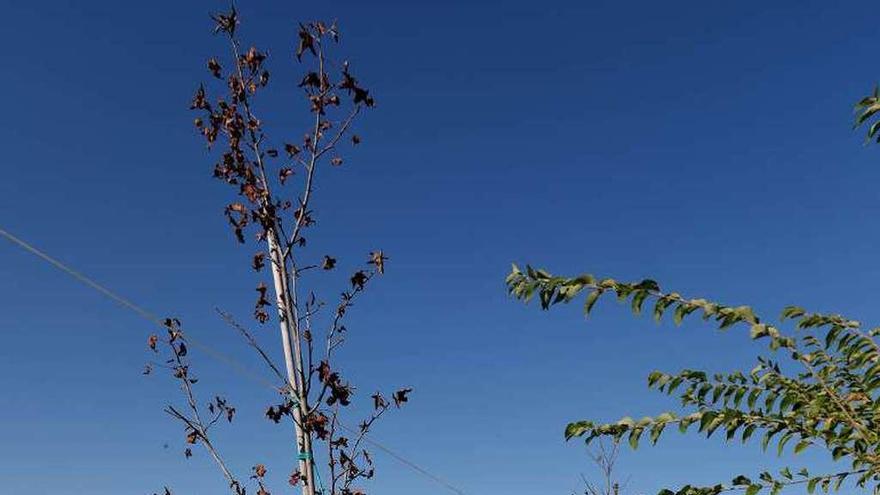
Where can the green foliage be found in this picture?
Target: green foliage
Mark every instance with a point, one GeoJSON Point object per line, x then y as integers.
{"type": "Point", "coordinates": [820, 388]}
{"type": "Point", "coordinates": [867, 108]}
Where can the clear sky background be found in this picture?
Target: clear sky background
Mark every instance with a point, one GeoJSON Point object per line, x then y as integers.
{"type": "Point", "coordinates": [704, 144]}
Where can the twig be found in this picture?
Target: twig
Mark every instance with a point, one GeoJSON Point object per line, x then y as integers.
{"type": "Point", "coordinates": [253, 343]}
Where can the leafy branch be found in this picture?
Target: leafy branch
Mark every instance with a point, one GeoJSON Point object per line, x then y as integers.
{"type": "Point", "coordinates": [831, 403]}
{"type": "Point", "coordinates": [866, 109]}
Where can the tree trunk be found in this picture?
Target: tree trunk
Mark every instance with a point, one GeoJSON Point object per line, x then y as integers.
{"type": "Point", "coordinates": [293, 360]}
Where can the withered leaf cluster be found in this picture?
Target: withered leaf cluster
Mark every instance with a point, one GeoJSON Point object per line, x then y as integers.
{"type": "Point", "coordinates": [276, 413]}
{"type": "Point", "coordinates": [247, 162]}
{"type": "Point", "coordinates": [339, 391]}
{"type": "Point", "coordinates": [318, 424]}
{"type": "Point", "coordinates": [401, 396]}
{"type": "Point", "coordinates": [259, 471]}
{"type": "Point", "coordinates": [221, 408]}
{"type": "Point", "coordinates": [260, 312]}
{"type": "Point", "coordinates": [378, 259]}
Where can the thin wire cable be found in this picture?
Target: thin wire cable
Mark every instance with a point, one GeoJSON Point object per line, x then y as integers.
{"type": "Point", "coordinates": [143, 313]}
{"type": "Point", "coordinates": [403, 460]}
{"type": "Point", "coordinates": [208, 350]}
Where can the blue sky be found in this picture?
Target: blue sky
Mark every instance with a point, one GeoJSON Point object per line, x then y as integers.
{"type": "Point", "coordinates": [705, 144]}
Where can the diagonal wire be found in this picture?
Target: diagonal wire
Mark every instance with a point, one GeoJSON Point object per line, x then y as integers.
{"type": "Point", "coordinates": [406, 462]}
{"type": "Point", "coordinates": [208, 350]}
{"type": "Point", "coordinates": [143, 313]}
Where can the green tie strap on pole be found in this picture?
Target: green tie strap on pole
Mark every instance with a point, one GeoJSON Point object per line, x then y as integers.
{"type": "Point", "coordinates": [320, 481]}
{"type": "Point", "coordinates": [305, 456]}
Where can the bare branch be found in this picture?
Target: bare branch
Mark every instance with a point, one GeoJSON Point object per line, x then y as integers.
{"type": "Point", "coordinates": [253, 343]}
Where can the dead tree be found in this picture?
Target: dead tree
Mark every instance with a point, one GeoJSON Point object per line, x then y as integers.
{"type": "Point", "coordinates": [274, 181]}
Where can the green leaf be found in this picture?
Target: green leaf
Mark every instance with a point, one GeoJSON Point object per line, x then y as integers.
{"type": "Point", "coordinates": [660, 307]}
{"type": "Point", "coordinates": [707, 419]}
{"type": "Point", "coordinates": [782, 441]}
{"type": "Point", "coordinates": [741, 480]}
{"type": "Point", "coordinates": [634, 436]}
{"type": "Point", "coordinates": [591, 301]}
{"type": "Point", "coordinates": [577, 429]}
{"type": "Point", "coordinates": [840, 479]}
{"type": "Point", "coordinates": [791, 312]}
{"type": "Point", "coordinates": [747, 432]}
{"type": "Point", "coordinates": [656, 431]}
{"type": "Point", "coordinates": [758, 331]}
{"type": "Point", "coordinates": [638, 300]}
{"type": "Point", "coordinates": [679, 314]}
